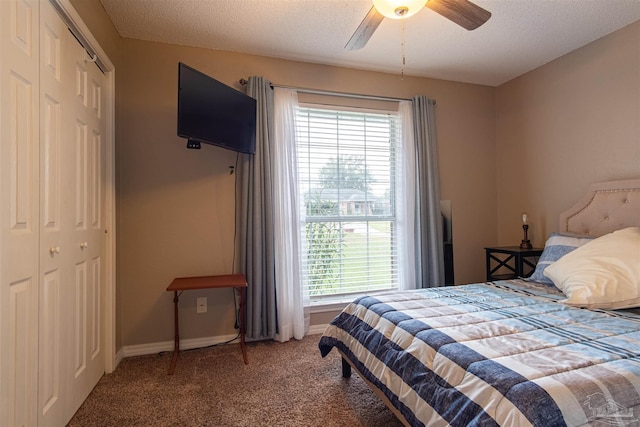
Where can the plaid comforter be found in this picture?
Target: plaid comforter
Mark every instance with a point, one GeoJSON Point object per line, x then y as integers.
{"type": "Point", "coordinates": [504, 353]}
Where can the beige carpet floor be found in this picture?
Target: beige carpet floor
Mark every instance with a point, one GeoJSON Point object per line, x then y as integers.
{"type": "Point", "coordinates": [286, 384]}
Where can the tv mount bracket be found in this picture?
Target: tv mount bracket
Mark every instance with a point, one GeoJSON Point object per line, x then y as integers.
{"type": "Point", "coordinates": [193, 144]}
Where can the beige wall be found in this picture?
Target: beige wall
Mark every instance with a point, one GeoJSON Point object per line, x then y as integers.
{"type": "Point", "coordinates": [533, 144]}
{"type": "Point", "coordinates": [563, 126]}
{"type": "Point", "coordinates": [175, 215]}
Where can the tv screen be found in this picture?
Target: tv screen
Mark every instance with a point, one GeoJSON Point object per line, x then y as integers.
{"type": "Point", "coordinates": [211, 112]}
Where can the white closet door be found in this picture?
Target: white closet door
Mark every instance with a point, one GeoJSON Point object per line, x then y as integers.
{"type": "Point", "coordinates": [55, 253]}
{"type": "Point", "coordinates": [19, 211]}
{"type": "Point", "coordinates": [52, 182]}
{"type": "Point", "coordinates": [85, 213]}
{"type": "Point", "coordinates": [71, 293]}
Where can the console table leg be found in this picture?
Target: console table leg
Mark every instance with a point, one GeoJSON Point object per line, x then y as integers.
{"type": "Point", "coordinates": [176, 338]}
{"type": "Point", "coordinates": [243, 346]}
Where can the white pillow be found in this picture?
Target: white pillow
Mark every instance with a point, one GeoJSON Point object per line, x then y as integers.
{"type": "Point", "coordinates": [603, 273]}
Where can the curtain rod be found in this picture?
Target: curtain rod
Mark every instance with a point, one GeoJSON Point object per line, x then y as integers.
{"type": "Point", "coordinates": [333, 93]}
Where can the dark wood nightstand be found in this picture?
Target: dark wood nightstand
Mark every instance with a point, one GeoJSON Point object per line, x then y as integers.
{"type": "Point", "coordinates": [511, 262]}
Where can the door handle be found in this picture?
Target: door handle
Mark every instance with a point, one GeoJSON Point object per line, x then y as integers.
{"type": "Point", "coordinates": [84, 245]}
{"type": "Point", "coordinates": [54, 250]}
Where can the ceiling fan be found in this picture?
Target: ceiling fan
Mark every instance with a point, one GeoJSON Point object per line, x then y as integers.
{"type": "Point", "coordinates": [464, 13]}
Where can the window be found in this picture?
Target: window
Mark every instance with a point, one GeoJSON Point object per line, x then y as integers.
{"type": "Point", "coordinates": [347, 174]}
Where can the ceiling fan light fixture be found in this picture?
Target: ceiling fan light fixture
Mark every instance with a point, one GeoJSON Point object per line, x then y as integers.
{"type": "Point", "coordinates": [399, 9]}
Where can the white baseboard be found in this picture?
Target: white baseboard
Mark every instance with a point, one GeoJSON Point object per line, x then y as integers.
{"type": "Point", "coordinates": [119, 357]}
{"type": "Point", "coordinates": [157, 347]}
{"type": "Point", "coordinates": [316, 329]}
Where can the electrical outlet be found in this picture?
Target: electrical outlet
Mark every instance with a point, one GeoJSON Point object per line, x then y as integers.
{"type": "Point", "coordinates": [201, 305]}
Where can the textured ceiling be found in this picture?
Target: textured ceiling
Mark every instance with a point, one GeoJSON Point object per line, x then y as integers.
{"type": "Point", "coordinates": [520, 36]}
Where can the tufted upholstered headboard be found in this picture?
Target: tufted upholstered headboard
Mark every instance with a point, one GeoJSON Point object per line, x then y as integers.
{"type": "Point", "coordinates": [608, 206]}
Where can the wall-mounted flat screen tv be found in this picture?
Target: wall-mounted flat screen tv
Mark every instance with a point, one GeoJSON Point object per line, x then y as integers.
{"type": "Point", "coordinates": [213, 113]}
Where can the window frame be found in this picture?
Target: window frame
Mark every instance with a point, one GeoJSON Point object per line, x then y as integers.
{"type": "Point", "coordinates": [395, 131]}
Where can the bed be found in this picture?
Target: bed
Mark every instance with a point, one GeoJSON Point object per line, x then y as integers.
{"type": "Point", "coordinates": [517, 352]}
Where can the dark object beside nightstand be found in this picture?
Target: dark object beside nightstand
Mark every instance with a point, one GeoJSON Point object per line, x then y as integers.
{"type": "Point", "coordinates": [511, 262]}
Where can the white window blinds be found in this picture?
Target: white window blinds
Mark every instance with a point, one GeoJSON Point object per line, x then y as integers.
{"type": "Point", "coordinates": [347, 180]}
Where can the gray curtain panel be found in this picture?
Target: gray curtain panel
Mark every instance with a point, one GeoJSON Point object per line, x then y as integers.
{"type": "Point", "coordinates": [254, 215]}
{"type": "Point", "coordinates": [430, 259]}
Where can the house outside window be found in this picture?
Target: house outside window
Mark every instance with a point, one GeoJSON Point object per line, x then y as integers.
{"type": "Point", "coordinates": [347, 179]}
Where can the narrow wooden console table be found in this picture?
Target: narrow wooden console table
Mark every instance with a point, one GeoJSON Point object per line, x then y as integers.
{"type": "Point", "coordinates": [236, 281]}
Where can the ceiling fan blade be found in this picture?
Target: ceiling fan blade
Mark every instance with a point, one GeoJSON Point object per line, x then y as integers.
{"type": "Point", "coordinates": [365, 30]}
{"type": "Point", "coordinates": [464, 13]}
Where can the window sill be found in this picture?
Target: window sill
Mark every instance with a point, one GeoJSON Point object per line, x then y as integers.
{"type": "Point", "coordinates": [324, 307]}
{"type": "Point", "coordinates": [338, 302]}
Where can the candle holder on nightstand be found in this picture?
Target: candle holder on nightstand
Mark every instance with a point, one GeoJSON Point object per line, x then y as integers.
{"type": "Point", "coordinates": [525, 244]}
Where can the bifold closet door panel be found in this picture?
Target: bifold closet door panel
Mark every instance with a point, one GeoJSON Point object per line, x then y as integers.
{"type": "Point", "coordinates": [19, 210]}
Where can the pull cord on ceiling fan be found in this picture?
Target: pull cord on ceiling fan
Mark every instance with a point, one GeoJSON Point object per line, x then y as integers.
{"type": "Point", "coordinates": [462, 12]}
